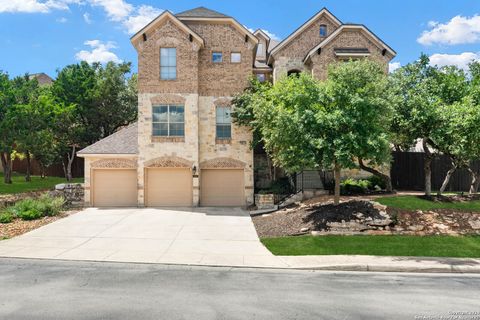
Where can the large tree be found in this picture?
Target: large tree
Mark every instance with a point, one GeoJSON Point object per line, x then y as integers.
{"type": "Point", "coordinates": [416, 116]}
{"type": "Point", "coordinates": [305, 123]}
{"type": "Point", "coordinates": [7, 101]}
{"type": "Point", "coordinates": [100, 99]}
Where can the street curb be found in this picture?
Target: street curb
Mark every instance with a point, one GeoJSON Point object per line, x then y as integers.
{"type": "Point", "coordinates": [340, 268]}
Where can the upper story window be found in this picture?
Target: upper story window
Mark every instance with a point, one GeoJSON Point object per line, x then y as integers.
{"type": "Point", "coordinates": [224, 123]}
{"type": "Point", "coordinates": [323, 30]}
{"type": "Point", "coordinates": [235, 57]}
{"type": "Point", "coordinates": [217, 57]}
{"type": "Point", "coordinates": [260, 50]}
{"type": "Point", "coordinates": [168, 63]}
{"type": "Point", "coordinates": [168, 121]}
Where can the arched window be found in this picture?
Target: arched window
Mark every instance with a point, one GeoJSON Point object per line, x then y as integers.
{"type": "Point", "coordinates": [323, 30]}
{"type": "Point", "coordinates": [293, 72]}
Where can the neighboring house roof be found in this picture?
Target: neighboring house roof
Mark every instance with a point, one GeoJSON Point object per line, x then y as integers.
{"type": "Point", "coordinates": [350, 26]}
{"type": "Point", "coordinates": [260, 31]}
{"type": "Point", "coordinates": [201, 12]}
{"type": "Point", "coordinates": [124, 141]}
{"type": "Point", "coordinates": [304, 26]}
{"type": "Point", "coordinates": [160, 18]}
{"type": "Point", "coordinates": [42, 78]}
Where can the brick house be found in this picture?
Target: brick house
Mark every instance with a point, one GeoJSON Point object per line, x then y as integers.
{"type": "Point", "coordinates": [184, 150]}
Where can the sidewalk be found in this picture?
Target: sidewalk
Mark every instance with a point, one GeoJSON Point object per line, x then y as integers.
{"type": "Point", "coordinates": [382, 264]}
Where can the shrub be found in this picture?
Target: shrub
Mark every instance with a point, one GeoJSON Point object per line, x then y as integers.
{"type": "Point", "coordinates": [6, 217]}
{"type": "Point", "coordinates": [31, 209]}
{"type": "Point", "coordinates": [377, 181]}
{"type": "Point", "coordinates": [280, 186]}
{"type": "Point", "coordinates": [352, 186]}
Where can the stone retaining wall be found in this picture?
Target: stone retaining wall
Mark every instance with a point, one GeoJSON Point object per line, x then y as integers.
{"type": "Point", "coordinates": [73, 193]}
{"type": "Point", "coordinates": [265, 201]}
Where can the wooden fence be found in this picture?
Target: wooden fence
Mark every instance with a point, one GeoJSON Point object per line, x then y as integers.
{"type": "Point", "coordinates": [20, 166]}
{"type": "Point", "coordinates": [407, 172]}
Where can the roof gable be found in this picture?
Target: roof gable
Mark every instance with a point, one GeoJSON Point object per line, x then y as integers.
{"type": "Point", "coordinates": [259, 32]}
{"type": "Point", "coordinates": [165, 16]}
{"type": "Point", "coordinates": [201, 12]}
{"type": "Point", "coordinates": [364, 29]}
{"type": "Point", "coordinates": [305, 26]}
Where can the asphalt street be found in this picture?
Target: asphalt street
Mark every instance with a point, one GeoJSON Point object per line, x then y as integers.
{"type": "Point", "coordinates": [47, 289]}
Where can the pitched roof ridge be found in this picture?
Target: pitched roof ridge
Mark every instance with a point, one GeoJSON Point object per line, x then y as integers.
{"type": "Point", "coordinates": [198, 12]}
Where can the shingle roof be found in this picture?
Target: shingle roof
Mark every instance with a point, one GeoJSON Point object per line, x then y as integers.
{"type": "Point", "coordinates": [124, 141]}
{"type": "Point", "coordinates": [201, 12]}
{"type": "Point", "coordinates": [261, 65]}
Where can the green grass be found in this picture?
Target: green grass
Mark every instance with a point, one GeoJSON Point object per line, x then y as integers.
{"type": "Point", "coordinates": [416, 203]}
{"type": "Point", "coordinates": [19, 184]}
{"type": "Point", "coordinates": [427, 246]}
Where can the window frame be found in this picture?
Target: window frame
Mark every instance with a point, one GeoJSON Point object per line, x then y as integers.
{"type": "Point", "coordinates": [168, 122]}
{"type": "Point", "coordinates": [324, 27]}
{"type": "Point", "coordinates": [222, 123]}
{"type": "Point", "coordinates": [234, 53]}
{"type": "Point", "coordinates": [221, 56]}
{"type": "Point", "coordinates": [168, 66]}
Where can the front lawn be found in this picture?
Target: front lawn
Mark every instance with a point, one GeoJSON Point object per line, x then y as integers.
{"type": "Point", "coordinates": [417, 203]}
{"type": "Point", "coordinates": [19, 184]}
{"type": "Point", "coordinates": [426, 246]}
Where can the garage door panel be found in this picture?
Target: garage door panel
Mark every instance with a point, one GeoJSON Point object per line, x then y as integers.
{"type": "Point", "coordinates": [114, 187]}
{"type": "Point", "coordinates": [169, 187]}
{"type": "Point", "coordinates": [222, 187]}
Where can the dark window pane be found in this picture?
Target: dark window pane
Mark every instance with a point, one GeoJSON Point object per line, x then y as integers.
{"type": "Point", "coordinates": [160, 129]}
{"type": "Point", "coordinates": [217, 57]}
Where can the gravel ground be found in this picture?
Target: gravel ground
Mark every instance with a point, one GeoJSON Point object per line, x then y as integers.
{"type": "Point", "coordinates": [18, 226]}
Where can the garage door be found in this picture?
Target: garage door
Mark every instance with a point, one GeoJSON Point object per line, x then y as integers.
{"type": "Point", "coordinates": [222, 187]}
{"type": "Point", "coordinates": [168, 187]}
{"type": "Point", "coordinates": [114, 187]}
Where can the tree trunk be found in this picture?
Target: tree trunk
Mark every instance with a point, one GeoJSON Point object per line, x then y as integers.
{"type": "Point", "coordinates": [447, 178]}
{"type": "Point", "coordinates": [6, 160]}
{"type": "Point", "coordinates": [70, 158]}
{"type": "Point", "coordinates": [475, 181]}
{"type": "Point", "coordinates": [384, 177]}
{"type": "Point", "coordinates": [28, 178]}
{"type": "Point", "coordinates": [336, 198]}
{"type": "Point", "coordinates": [427, 167]}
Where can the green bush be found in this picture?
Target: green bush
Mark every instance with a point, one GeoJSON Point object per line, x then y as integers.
{"type": "Point", "coordinates": [352, 186]}
{"type": "Point", "coordinates": [31, 209]}
{"type": "Point", "coordinates": [280, 186]}
{"type": "Point", "coordinates": [377, 181]}
{"type": "Point", "coordinates": [6, 217]}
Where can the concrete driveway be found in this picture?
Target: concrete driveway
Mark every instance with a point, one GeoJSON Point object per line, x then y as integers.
{"type": "Point", "coordinates": [199, 236]}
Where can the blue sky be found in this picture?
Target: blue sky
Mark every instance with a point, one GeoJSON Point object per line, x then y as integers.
{"type": "Point", "coordinates": [44, 35]}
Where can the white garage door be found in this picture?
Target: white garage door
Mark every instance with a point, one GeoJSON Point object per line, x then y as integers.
{"type": "Point", "coordinates": [168, 187]}
{"type": "Point", "coordinates": [222, 187]}
{"type": "Point", "coordinates": [114, 187]}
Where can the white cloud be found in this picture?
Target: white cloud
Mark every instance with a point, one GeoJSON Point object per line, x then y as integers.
{"type": "Point", "coordinates": [143, 16]}
{"type": "Point", "coordinates": [460, 60]}
{"type": "Point", "coordinates": [100, 52]}
{"type": "Point", "coordinates": [458, 30]}
{"type": "Point", "coordinates": [392, 66]}
{"type": "Point", "coordinates": [62, 20]}
{"type": "Point", "coordinates": [117, 10]}
{"type": "Point", "coordinates": [86, 17]}
{"type": "Point", "coordinates": [268, 33]}
{"type": "Point", "coordinates": [34, 6]}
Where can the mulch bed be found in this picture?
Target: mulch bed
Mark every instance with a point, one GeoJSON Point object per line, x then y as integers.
{"type": "Point", "coordinates": [310, 216]}
{"type": "Point", "coordinates": [18, 226]}
{"type": "Point", "coordinates": [314, 217]}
